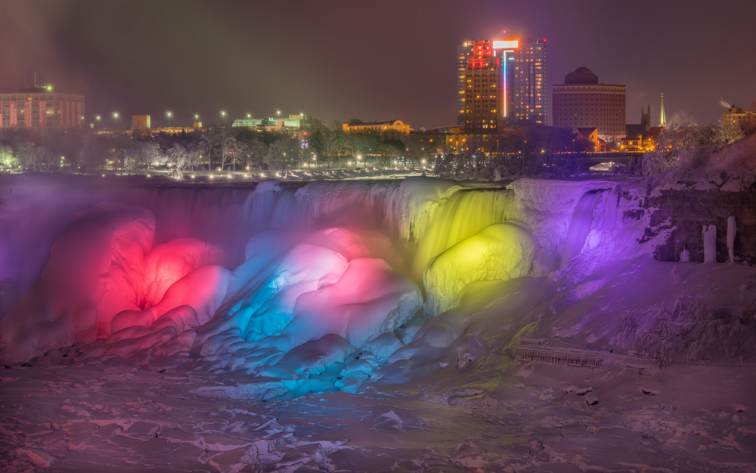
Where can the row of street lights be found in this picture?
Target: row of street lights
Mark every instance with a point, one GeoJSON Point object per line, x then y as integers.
{"type": "Point", "coordinates": [169, 115]}
{"type": "Point", "coordinates": [115, 115]}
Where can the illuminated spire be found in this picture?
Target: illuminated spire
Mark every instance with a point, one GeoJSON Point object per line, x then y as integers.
{"type": "Point", "coordinates": [662, 113]}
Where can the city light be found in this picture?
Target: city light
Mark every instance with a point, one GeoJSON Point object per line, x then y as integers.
{"type": "Point", "coordinates": [506, 44]}
{"type": "Point", "coordinates": [223, 113]}
{"type": "Point", "coordinates": [278, 113]}
{"type": "Point", "coordinates": [196, 116]}
{"type": "Point", "coordinates": [249, 115]}
{"type": "Point", "coordinates": [168, 114]}
{"type": "Point", "coordinates": [115, 115]}
{"type": "Point", "coordinates": [98, 118]}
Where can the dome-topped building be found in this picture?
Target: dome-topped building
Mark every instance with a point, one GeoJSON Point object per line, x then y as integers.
{"type": "Point", "coordinates": [583, 102]}
{"type": "Point", "coordinates": [581, 75]}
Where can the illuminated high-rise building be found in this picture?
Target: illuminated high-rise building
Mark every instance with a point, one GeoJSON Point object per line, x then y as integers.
{"type": "Point", "coordinates": [529, 79]}
{"type": "Point", "coordinates": [500, 82]}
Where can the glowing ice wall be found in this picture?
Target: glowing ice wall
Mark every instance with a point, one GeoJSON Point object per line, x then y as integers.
{"type": "Point", "coordinates": [257, 278]}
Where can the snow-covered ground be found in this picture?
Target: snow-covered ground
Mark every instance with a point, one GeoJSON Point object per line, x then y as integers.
{"type": "Point", "coordinates": [415, 325]}
{"type": "Point", "coordinates": [440, 411]}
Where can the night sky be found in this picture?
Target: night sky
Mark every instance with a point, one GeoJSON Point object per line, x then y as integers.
{"type": "Point", "coordinates": [367, 59]}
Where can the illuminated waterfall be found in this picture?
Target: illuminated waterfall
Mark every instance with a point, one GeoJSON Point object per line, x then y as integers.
{"type": "Point", "coordinates": [254, 279]}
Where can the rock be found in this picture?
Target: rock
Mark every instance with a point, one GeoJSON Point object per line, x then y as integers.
{"type": "Point", "coordinates": [38, 457]}
{"type": "Point", "coordinates": [583, 391]}
{"type": "Point", "coordinates": [591, 399]}
{"type": "Point", "coordinates": [535, 446]}
{"type": "Point", "coordinates": [685, 256]}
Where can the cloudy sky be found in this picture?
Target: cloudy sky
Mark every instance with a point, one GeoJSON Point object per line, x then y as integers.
{"type": "Point", "coordinates": [367, 59]}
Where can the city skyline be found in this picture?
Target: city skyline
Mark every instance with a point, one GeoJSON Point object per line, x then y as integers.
{"type": "Point", "coordinates": [188, 57]}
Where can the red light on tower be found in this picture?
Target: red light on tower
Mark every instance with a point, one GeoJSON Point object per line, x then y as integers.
{"type": "Point", "coordinates": [481, 55]}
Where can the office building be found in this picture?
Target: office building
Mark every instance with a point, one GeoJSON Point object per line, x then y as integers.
{"type": "Point", "coordinates": [41, 108]}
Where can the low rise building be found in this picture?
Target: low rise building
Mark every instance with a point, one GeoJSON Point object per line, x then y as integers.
{"type": "Point", "coordinates": [277, 123]}
{"type": "Point", "coordinates": [41, 108]}
{"type": "Point", "coordinates": [737, 121]}
{"type": "Point", "coordinates": [390, 126]}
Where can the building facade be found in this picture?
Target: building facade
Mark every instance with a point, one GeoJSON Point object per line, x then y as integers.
{"type": "Point", "coordinates": [40, 109]}
{"type": "Point", "coordinates": [291, 123]}
{"type": "Point", "coordinates": [500, 82]}
{"type": "Point", "coordinates": [529, 81]}
{"type": "Point", "coordinates": [390, 126]}
{"type": "Point", "coordinates": [583, 102]}
{"type": "Point", "coordinates": [141, 123]}
{"type": "Point", "coordinates": [737, 122]}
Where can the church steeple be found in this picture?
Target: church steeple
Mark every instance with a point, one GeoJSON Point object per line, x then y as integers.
{"type": "Point", "coordinates": [662, 112]}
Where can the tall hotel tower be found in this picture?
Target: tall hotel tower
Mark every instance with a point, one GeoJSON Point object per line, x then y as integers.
{"type": "Point", "coordinates": [500, 82]}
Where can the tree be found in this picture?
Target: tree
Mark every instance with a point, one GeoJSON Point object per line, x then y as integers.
{"type": "Point", "coordinates": [256, 152]}
{"type": "Point", "coordinates": [682, 147]}
{"type": "Point", "coordinates": [8, 161]}
{"type": "Point", "coordinates": [229, 152]}
{"type": "Point", "coordinates": [283, 154]}
{"type": "Point", "coordinates": [33, 156]}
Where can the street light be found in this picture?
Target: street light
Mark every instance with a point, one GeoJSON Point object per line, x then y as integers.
{"type": "Point", "coordinates": [223, 114]}
{"type": "Point", "coordinates": [115, 115]}
{"type": "Point", "coordinates": [196, 117]}
{"type": "Point", "coordinates": [278, 113]}
{"type": "Point", "coordinates": [98, 118]}
{"type": "Point", "coordinates": [249, 115]}
{"type": "Point", "coordinates": [169, 115]}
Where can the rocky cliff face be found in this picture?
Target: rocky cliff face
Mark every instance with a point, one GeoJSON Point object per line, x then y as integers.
{"type": "Point", "coordinates": [687, 211]}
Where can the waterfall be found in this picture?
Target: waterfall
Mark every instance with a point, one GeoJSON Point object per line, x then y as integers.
{"type": "Point", "coordinates": [580, 225]}
{"type": "Point", "coordinates": [348, 258]}
{"type": "Point", "coordinates": [458, 217]}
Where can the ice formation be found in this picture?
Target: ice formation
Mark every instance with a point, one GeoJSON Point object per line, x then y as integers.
{"type": "Point", "coordinates": [314, 286]}
{"type": "Point", "coordinates": [497, 253]}
{"type": "Point", "coordinates": [709, 235]}
{"type": "Point", "coordinates": [731, 232]}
